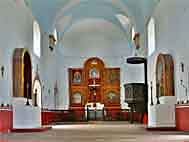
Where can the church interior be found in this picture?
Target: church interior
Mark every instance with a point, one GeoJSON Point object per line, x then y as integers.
{"type": "Point", "coordinates": [94, 70]}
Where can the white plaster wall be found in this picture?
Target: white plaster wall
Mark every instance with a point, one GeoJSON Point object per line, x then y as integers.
{"type": "Point", "coordinates": [25, 116]}
{"type": "Point", "coordinates": [94, 38]}
{"type": "Point", "coordinates": [171, 19]}
{"type": "Point", "coordinates": [16, 26]}
{"type": "Point", "coordinates": [49, 75]}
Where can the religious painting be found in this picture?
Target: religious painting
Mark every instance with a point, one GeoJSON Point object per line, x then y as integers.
{"type": "Point", "coordinates": [113, 76]}
{"type": "Point", "coordinates": [76, 76]}
{"type": "Point", "coordinates": [112, 97]}
{"type": "Point", "coordinates": [165, 75]}
{"type": "Point", "coordinates": [77, 98]}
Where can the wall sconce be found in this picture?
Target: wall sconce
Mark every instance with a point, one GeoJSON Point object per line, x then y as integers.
{"type": "Point", "coordinates": [52, 42]}
{"type": "Point", "coordinates": [2, 71]}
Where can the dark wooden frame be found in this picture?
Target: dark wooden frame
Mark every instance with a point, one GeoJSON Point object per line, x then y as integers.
{"type": "Point", "coordinates": [168, 74]}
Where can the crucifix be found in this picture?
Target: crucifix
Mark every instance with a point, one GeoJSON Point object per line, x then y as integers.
{"type": "Point", "coordinates": [93, 87]}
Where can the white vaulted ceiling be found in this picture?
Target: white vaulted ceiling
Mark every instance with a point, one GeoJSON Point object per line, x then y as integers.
{"type": "Point", "coordinates": [64, 13]}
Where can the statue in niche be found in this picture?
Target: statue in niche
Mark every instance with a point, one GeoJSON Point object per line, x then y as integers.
{"type": "Point", "coordinates": [94, 73]}
{"type": "Point", "coordinates": [77, 77]}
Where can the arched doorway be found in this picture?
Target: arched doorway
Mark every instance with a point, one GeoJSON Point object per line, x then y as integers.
{"type": "Point", "coordinates": [22, 73]}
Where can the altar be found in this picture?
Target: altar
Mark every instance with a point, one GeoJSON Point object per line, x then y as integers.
{"type": "Point", "coordinates": [94, 111]}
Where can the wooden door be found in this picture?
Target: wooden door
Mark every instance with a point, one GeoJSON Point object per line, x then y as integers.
{"type": "Point", "coordinates": [22, 73]}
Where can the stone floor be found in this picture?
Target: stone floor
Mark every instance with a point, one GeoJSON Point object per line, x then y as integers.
{"type": "Point", "coordinates": [97, 132]}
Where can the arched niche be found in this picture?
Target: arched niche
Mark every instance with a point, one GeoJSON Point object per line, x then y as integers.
{"type": "Point", "coordinates": [94, 69]}
{"type": "Point", "coordinates": [22, 73]}
{"type": "Point", "coordinates": [165, 75]}
{"type": "Point", "coordinates": [37, 86]}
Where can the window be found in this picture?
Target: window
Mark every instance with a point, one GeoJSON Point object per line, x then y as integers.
{"type": "Point", "coordinates": [55, 35]}
{"type": "Point", "coordinates": [36, 39]}
{"type": "Point", "coordinates": [151, 36]}
{"type": "Point", "coordinates": [132, 33]}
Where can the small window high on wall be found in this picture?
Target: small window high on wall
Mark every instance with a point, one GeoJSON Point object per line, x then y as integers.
{"type": "Point", "coordinates": [151, 36]}
{"type": "Point", "coordinates": [36, 39]}
{"type": "Point", "coordinates": [55, 35]}
{"type": "Point", "coordinates": [132, 33]}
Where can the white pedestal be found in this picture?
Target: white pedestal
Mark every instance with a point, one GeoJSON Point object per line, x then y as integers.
{"type": "Point", "coordinates": [162, 115]}
{"type": "Point", "coordinates": [25, 116]}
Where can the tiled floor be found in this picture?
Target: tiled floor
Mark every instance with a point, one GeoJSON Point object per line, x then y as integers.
{"type": "Point", "coordinates": [97, 132]}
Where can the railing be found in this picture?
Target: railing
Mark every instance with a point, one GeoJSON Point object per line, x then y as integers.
{"type": "Point", "coordinates": [55, 116]}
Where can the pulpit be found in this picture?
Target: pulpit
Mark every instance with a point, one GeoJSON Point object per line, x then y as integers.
{"type": "Point", "coordinates": [135, 97]}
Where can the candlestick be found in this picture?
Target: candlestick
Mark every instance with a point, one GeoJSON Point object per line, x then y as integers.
{"type": "Point", "coordinates": [151, 95]}
{"type": "Point", "coordinates": [27, 87]}
{"type": "Point", "coordinates": [35, 99]}
{"type": "Point", "coordinates": [158, 91]}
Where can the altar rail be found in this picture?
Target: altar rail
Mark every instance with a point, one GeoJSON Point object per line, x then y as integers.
{"type": "Point", "coordinates": [55, 116]}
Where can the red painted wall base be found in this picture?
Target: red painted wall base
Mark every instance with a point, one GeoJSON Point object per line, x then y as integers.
{"type": "Point", "coordinates": [182, 117]}
{"type": "Point", "coordinates": [27, 130]}
{"type": "Point", "coordinates": [6, 119]}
